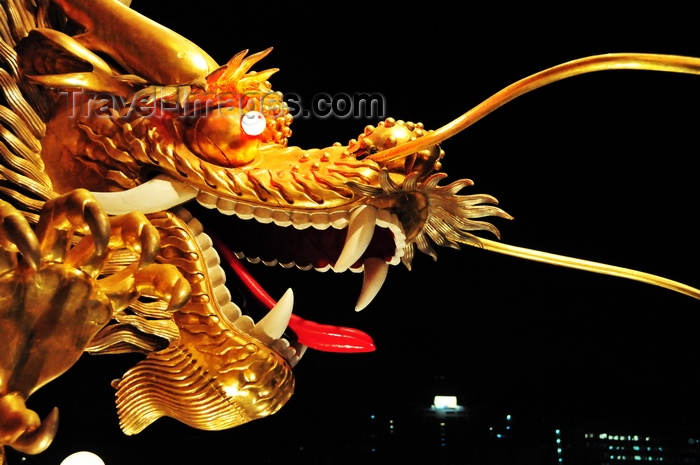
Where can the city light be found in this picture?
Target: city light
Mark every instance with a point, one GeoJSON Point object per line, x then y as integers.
{"type": "Point", "coordinates": [445, 402]}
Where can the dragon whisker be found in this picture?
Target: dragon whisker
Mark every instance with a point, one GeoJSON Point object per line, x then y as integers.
{"type": "Point", "coordinates": [586, 265]}
{"type": "Point", "coordinates": [613, 61]}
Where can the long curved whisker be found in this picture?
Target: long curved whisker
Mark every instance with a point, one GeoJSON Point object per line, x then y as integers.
{"type": "Point", "coordinates": [585, 265]}
{"type": "Point", "coordinates": [613, 61]}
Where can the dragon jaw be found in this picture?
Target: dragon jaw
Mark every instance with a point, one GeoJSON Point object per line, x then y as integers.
{"type": "Point", "coordinates": [383, 229]}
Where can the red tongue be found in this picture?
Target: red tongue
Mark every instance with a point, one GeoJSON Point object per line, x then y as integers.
{"type": "Point", "coordinates": [314, 335]}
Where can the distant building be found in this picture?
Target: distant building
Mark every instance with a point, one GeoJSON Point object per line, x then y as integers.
{"type": "Point", "coordinates": [613, 444]}
{"type": "Point", "coordinates": [452, 434]}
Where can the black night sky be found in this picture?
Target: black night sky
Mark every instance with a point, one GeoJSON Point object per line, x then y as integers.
{"type": "Point", "coordinates": [601, 167]}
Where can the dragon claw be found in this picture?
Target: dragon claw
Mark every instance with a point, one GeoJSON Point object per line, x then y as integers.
{"type": "Point", "coordinates": [52, 276]}
{"type": "Point", "coordinates": [21, 428]}
{"type": "Point", "coordinates": [37, 441]}
{"type": "Point", "coordinates": [16, 235]}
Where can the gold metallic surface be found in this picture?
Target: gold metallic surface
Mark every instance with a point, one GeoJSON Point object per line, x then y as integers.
{"type": "Point", "coordinates": [53, 301]}
{"type": "Point", "coordinates": [73, 279]}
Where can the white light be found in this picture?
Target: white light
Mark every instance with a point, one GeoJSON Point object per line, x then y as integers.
{"type": "Point", "coordinates": [443, 402]}
{"type": "Point", "coordinates": [253, 123]}
{"type": "Point", "coordinates": [82, 458]}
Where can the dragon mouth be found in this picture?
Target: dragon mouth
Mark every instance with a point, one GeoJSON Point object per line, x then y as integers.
{"type": "Point", "coordinates": [362, 239]}
{"type": "Point", "coordinates": [338, 241]}
{"type": "Point", "coordinates": [397, 220]}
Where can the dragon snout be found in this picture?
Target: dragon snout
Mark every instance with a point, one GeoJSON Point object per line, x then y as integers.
{"type": "Point", "coordinates": [391, 133]}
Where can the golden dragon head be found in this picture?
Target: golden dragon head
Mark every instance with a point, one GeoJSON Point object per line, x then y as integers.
{"type": "Point", "coordinates": [186, 128]}
{"type": "Point", "coordinates": [223, 139]}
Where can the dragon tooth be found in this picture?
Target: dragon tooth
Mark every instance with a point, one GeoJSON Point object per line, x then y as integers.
{"type": "Point", "coordinates": [211, 257]}
{"type": "Point", "coordinates": [244, 211]}
{"type": "Point", "coordinates": [231, 311]}
{"type": "Point", "coordinates": [376, 270]}
{"type": "Point", "coordinates": [281, 218]}
{"type": "Point", "coordinates": [301, 220]}
{"type": "Point", "coordinates": [360, 232]}
{"type": "Point", "coordinates": [226, 206]}
{"type": "Point", "coordinates": [222, 295]}
{"type": "Point", "coordinates": [320, 220]}
{"type": "Point", "coordinates": [158, 194]}
{"type": "Point", "coordinates": [245, 323]}
{"type": "Point", "coordinates": [263, 215]}
{"type": "Point", "coordinates": [273, 324]}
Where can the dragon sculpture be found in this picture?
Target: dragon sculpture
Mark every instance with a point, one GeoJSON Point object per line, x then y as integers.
{"type": "Point", "coordinates": [100, 148]}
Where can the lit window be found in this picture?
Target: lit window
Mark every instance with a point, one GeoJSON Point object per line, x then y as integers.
{"type": "Point", "coordinates": [443, 402]}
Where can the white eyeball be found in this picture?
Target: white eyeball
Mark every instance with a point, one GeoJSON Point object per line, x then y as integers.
{"type": "Point", "coordinates": [253, 123]}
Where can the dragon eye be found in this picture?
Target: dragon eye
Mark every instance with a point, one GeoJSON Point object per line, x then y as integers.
{"type": "Point", "coordinates": [253, 123]}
